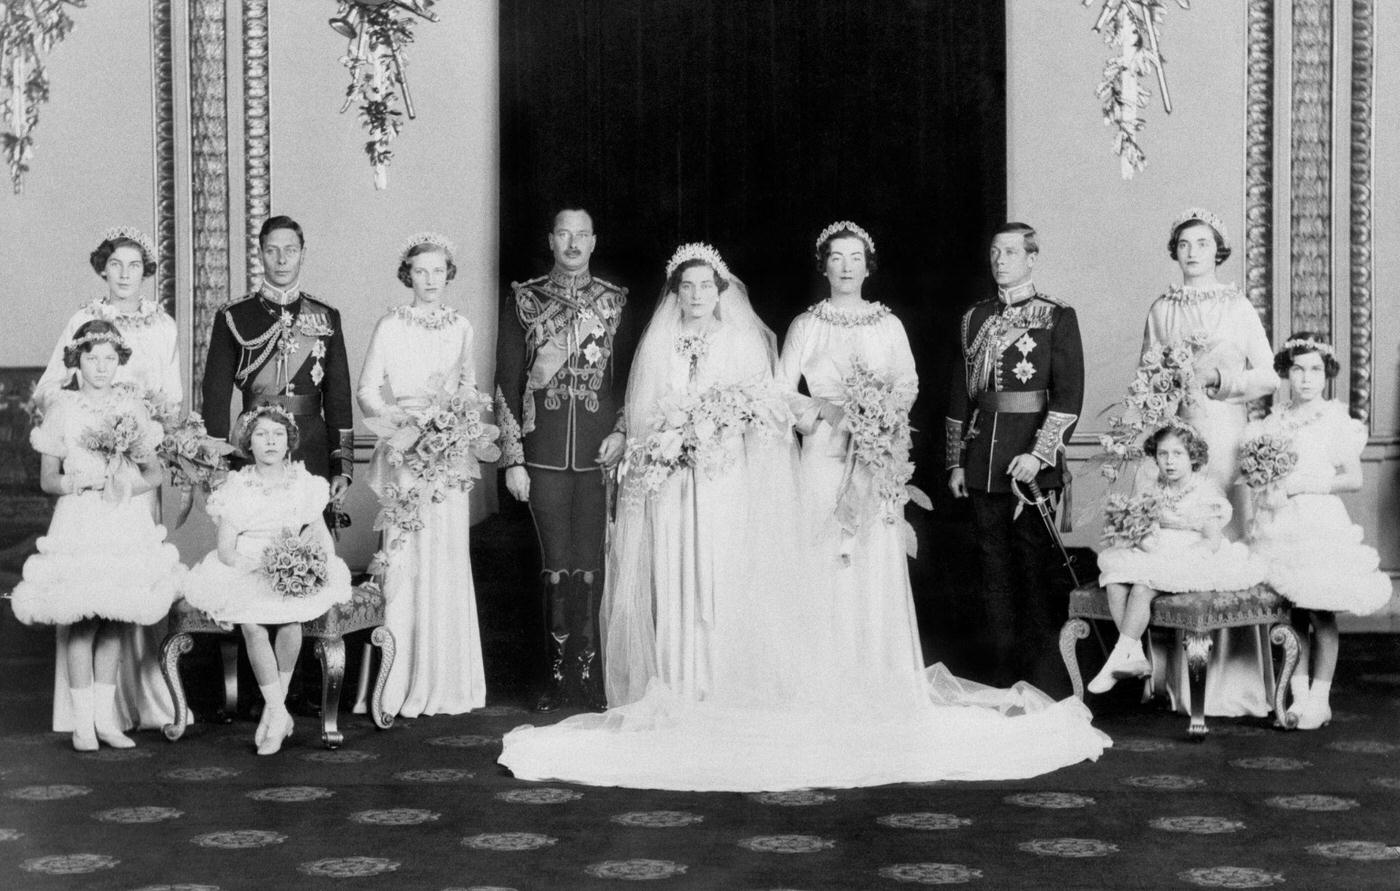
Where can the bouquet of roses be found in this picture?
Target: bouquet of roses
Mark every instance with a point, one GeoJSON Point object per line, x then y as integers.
{"type": "Point", "coordinates": [293, 566]}
{"type": "Point", "coordinates": [697, 430]}
{"type": "Point", "coordinates": [437, 448]}
{"type": "Point", "coordinates": [876, 482]}
{"type": "Point", "coordinates": [187, 452]}
{"type": "Point", "coordinates": [1129, 520]}
{"type": "Point", "coordinates": [1266, 460]}
{"type": "Point", "coordinates": [1165, 383]}
{"type": "Point", "coordinates": [123, 441]}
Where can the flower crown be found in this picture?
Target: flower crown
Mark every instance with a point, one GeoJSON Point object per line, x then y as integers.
{"type": "Point", "coordinates": [251, 416]}
{"type": "Point", "coordinates": [844, 226]}
{"type": "Point", "coordinates": [1310, 345]}
{"type": "Point", "coordinates": [1200, 214]}
{"type": "Point", "coordinates": [112, 337]}
{"type": "Point", "coordinates": [698, 250]}
{"type": "Point", "coordinates": [1177, 425]}
{"type": "Point", "coordinates": [432, 238]}
{"type": "Point", "coordinates": [133, 234]}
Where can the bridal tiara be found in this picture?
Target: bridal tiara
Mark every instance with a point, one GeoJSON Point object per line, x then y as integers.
{"type": "Point", "coordinates": [432, 238]}
{"type": "Point", "coordinates": [845, 226]}
{"type": "Point", "coordinates": [1201, 215]}
{"type": "Point", "coordinates": [698, 250]}
{"type": "Point", "coordinates": [131, 233]}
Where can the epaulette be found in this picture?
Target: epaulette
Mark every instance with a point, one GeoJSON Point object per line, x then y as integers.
{"type": "Point", "coordinates": [517, 286]}
{"type": "Point", "coordinates": [316, 300]}
{"type": "Point", "coordinates": [610, 286]}
{"type": "Point", "coordinates": [1051, 300]}
{"type": "Point", "coordinates": [232, 303]}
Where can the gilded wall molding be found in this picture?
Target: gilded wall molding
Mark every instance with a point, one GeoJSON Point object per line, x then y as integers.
{"type": "Point", "coordinates": [163, 79]}
{"type": "Point", "coordinates": [257, 142]}
{"type": "Point", "coordinates": [1311, 171]}
{"type": "Point", "coordinates": [209, 171]}
{"type": "Point", "coordinates": [1259, 160]}
{"type": "Point", "coordinates": [1362, 154]}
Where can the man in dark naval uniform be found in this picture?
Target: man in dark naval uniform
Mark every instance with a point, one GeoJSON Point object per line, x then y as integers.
{"type": "Point", "coordinates": [282, 345]}
{"type": "Point", "coordinates": [1009, 416]}
{"type": "Point", "coordinates": [561, 376]}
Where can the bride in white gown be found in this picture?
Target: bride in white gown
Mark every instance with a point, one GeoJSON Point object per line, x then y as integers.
{"type": "Point", "coordinates": [722, 668]}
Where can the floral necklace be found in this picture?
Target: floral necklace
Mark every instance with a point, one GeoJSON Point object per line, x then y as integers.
{"type": "Point", "coordinates": [1191, 294]}
{"type": "Point", "coordinates": [433, 319]}
{"type": "Point", "coordinates": [849, 318]}
{"type": "Point", "coordinates": [1292, 418]}
{"type": "Point", "coordinates": [145, 314]}
{"type": "Point", "coordinates": [271, 486]}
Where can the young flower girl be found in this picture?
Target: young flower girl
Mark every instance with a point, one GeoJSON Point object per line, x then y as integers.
{"type": "Point", "coordinates": [1167, 538]}
{"type": "Point", "coordinates": [275, 563]}
{"type": "Point", "coordinates": [104, 562]}
{"type": "Point", "coordinates": [1313, 551]}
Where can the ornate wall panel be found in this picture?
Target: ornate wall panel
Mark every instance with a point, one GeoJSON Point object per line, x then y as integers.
{"type": "Point", "coordinates": [1362, 113]}
{"type": "Point", "coordinates": [1259, 161]}
{"type": "Point", "coordinates": [257, 160]}
{"type": "Point", "coordinates": [163, 78]}
{"type": "Point", "coordinates": [1311, 174]}
{"type": "Point", "coordinates": [209, 170]}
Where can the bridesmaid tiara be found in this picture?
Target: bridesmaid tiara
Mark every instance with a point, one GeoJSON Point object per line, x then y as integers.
{"type": "Point", "coordinates": [112, 337]}
{"type": "Point", "coordinates": [432, 238]}
{"type": "Point", "coordinates": [845, 226]}
{"type": "Point", "coordinates": [250, 417]}
{"type": "Point", "coordinates": [1309, 345]}
{"type": "Point", "coordinates": [698, 250]}
{"type": "Point", "coordinates": [132, 234]}
{"type": "Point", "coordinates": [1201, 215]}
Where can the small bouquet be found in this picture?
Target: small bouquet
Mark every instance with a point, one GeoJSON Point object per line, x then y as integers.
{"type": "Point", "coordinates": [188, 453]}
{"type": "Point", "coordinates": [438, 448]}
{"type": "Point", "coordinates": [696, 430]}
{"type": "Point", "coordinates": [1129, 520]}
{"type": "Point", "coordinates": [1164, 384]}
{"type": "Point", "coordinates": [1266, 460]}
{"type": "Point", "coordinates": [876, 482]}
{"type": "Point", "coordinates": [123, 441]}
{"type": "Point", "coordinates": [293, 566]}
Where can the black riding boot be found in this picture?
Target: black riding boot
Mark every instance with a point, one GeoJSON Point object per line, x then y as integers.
{"type": "Point", "coordinates": [557, 621]}
{"type": "Point", "coordinates": [590, 668]}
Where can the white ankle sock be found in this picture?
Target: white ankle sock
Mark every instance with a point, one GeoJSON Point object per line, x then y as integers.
{"type": "Point", "coordinates": [274, 695]}
{"type": "Point", "coordinates": [286, 678]}
{"type": "Point", "coordinates": [84, 734]}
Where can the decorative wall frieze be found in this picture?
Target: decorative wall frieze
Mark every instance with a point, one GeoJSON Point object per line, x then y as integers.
{"type": "Point", "coordinates": [1362, 154]}
{"type": "Point", "coordinates": [257, 137]}
{"type": "Point", "coordinates": [163, 79]}
{"type": "Point", "coordinates": [208, 170]}
{"type": "Point", "coordinates": [1310, 248]}
{"type": "Point", "coordinates": [1259, 160]}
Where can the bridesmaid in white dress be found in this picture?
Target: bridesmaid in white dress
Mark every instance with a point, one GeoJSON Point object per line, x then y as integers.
{"type": "Point", "coordinates": [124, 259]}
{"type": "Point", "coordinates": [418, 349]}
{"type": "Point", "coordinates": [1235, 366]}
{"type": "Point", "coordinates": [872, 614]}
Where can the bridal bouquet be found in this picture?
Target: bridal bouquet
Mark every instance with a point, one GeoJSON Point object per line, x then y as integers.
{"type": "Point", "coordinates": [123, 441]}
{"type": "Point", "coordinates": [438, 447]}
{"type": "Point", "coordinates": [293, 566]}
{"type": "Point", "coordinates": [876, 482]}
{"type": "Point", "coordinates": [1129, 520]}
{"type": "Point", "coordinates": [1165, 383]}
{"type": "Point", "coordinates": [697, 430]}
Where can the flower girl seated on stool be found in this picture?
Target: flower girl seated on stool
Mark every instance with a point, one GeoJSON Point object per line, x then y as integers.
{"type": "Point", "coordinates": [104, 562]}
{"type": "Point", "coordinates": [275, 563]}
{"type": "Point", "coordinates": [1295, 461]}
{"type": "Point", "coordinates": [1166, 538]}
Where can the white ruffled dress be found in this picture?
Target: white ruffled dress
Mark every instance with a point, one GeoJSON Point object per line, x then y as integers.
{"type": "Point", "coordinates": [259, 513]}
{"type": "Point", "coordinates": [101, 558]}
{"type": "Point", "coordinates": [1178, 558]}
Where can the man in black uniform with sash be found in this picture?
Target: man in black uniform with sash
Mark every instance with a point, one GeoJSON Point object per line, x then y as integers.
{"type": "Point", "coordinates": [561, 377]}
{"type": "Point", "coordinates": [1009, 416]}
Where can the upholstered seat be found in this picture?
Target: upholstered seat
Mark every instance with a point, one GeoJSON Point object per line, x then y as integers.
{"type": "Point", "coordinates": [1194, 616]}
{"type": "Point", "coordinates": [364, 610]}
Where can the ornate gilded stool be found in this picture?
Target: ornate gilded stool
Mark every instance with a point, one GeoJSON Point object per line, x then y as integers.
{"type": "Point", "coordinates": [364, 610]}
{"type": "Point", "coordinates": [1195, 617]}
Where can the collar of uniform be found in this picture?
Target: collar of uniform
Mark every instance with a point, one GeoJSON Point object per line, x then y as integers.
{"type": "Point", "coordinates": [1017, 294]}
{"type": "Point", "coordinates": [273, 294]}
{"type": "Point", "coordinates": [570, 281]}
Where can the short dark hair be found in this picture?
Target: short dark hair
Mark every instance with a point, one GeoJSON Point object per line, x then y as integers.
{"type": "Point", "coordinates": [1222, 250]}
{"type": "Point", "coordinates": [563, 209]}
{"type": "Point", "coordinates": [1025, 230]}
{"type": "Point", "coordinates": [872, 261]}
{"type": "Point", "coordinates": [250, 418]}
{"type": "Point", "coordinates": [73, 351]}
{"type": "Point", "coordinates": [673, 281]}
{"type": "Point", "coordinates": [1196, 448]}
{"type": "Point", "coordinates": [423, 247]}
{"type": "Point", "coordinates": [103, 252]}
{"type": "Point", "coordinates": [1284, 358]}
{"type": "Point", "coordinates": [280, 222]}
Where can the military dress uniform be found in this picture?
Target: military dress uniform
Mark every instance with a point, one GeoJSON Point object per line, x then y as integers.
{"type": "Point", "coordinates": [1021, 392]}
{"type": "Point", "coordinates": [290, 353]}
{"type": "Point", "coordinates": [561, 373]}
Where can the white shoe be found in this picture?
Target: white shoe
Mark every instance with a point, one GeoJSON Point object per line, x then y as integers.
{"type": "Point", "coordinates": [1317, 713]}
{"type": "Point", "coordinates": [279, 728]}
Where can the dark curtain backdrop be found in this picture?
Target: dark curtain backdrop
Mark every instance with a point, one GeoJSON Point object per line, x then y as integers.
{"type": "Point", "coordinates": [752, 124]}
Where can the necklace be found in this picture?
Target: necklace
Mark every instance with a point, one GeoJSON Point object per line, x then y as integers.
{"type": "Point", "coordinates": [1292, 417]}
{"type": "Point", "coordinates": [1191, 294]}
{"type": "Point", "coordinates": [849, 318]}
{"type": "Point", "coordinates": [145, 313]}
{"type": "Point", "coordinates": [432, 318]}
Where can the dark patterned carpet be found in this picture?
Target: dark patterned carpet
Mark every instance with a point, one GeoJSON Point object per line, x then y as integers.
{"type": "Point", "coordinates": [423, 805]}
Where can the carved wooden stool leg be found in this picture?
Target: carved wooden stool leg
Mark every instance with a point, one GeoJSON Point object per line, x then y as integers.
{"type": "Point", "coordinates": [384, 639]}
{"type": "Point", "coordinates": [1285, 636]}
{"type": "Point", "coordinates": [171, 649]}
{"type": "Point", "coordinates": [361, 705]}
{"type": "Point", "coordinates": [331, 652]}
{"type": "Point", "coordinates": [1197, 644]}
{"type": "Point", "coordinates": [1071, 633]}
{"type": "Point", "coordinates": [228, 654]}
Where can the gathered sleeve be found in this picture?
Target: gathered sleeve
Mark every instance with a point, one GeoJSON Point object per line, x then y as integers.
{"type": "Point", "coordinates": [901, 357]}
{"type": "Point", "coordinates": [370, 389]}
{"type": "Point", "coordinates": [804, 408]}
{"type": "Point", "coordinates": [1347, 436]}
{"type": "Point", "coordinates": [313, 494]}
{"type": "Point", "coordinates": [466, 377]}
{"type": "Point", "coordinates": [56, 375]}
{"type": "Point", "coordinates": [168, 378]}
{"type": "Point", "coordinates": [49, 437]}
{"type": "Point", "coordinates": [1257, 377]}
{"type": "Point", "coordinates": [227, 505]}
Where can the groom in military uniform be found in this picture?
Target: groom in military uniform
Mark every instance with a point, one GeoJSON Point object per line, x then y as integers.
{"type": "Point", "coordinates": [561, 376]}
{"type": "Point", "coordinates": [281, 345]}
{"type": "Point", "coordinates": [1010, 414]}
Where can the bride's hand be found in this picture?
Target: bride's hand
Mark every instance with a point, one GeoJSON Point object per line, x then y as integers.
{"type": "Point", "coordinates": [829, 411]}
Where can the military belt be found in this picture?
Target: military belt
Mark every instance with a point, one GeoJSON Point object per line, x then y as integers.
{"type": "Point", "coordinates": [1013, 401]}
